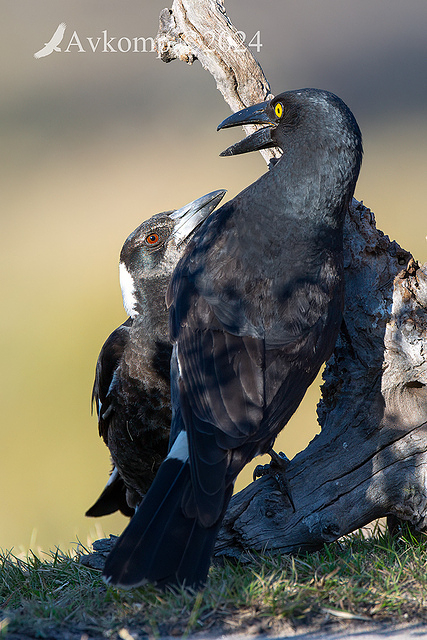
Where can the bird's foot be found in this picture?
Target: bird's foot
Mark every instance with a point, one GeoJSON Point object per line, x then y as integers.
{"type": "Point", "coordinates": [279, 462]}
{"type": "Point", "coordinates": [277, 470]}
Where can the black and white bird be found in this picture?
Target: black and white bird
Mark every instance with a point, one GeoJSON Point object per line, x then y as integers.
{"type": "Point", "coordinates": [132, 380]}
{"type": "Point", "coordinates": [255, 309]}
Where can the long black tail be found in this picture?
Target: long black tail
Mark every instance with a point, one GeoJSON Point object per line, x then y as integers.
{"type": "Point", "coordinates": [160, 544]}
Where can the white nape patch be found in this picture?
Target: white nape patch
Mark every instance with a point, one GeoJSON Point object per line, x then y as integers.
{"type": "Point", "coordinates": [179, 449]}
{"type": "Point", "coordinates": [114, 475]}
{"type": "Point", "coordinates": [128, 290]}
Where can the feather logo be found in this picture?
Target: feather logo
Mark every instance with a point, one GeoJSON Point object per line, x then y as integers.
{"type": "Point", "coordinates": [53, 43]}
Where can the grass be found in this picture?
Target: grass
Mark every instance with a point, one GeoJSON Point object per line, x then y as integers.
{"type": "Point", "coordinates": [375, 579]}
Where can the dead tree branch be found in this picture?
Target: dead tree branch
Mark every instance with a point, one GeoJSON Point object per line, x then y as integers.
{"type": "Point", "coordinates": [194, 30]}
{"type": "Point", "coordinates": [370, 458]}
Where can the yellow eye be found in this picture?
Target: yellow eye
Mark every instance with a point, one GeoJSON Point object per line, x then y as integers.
{"type": "Point", "coordinates": [278, 110]}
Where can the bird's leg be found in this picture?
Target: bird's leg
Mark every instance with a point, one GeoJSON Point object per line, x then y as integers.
{"type": "Point", "coordinates": [277, 470]}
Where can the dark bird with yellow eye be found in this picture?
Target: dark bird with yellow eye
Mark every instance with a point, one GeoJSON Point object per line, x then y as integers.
{"type": "Point", "coordinates": [132, 381]}
{"type": "Point", "coordinates": [255, 308]}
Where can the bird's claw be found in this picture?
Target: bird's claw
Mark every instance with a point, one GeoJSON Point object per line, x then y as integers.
{"type": "Point", "coordinates": [261, 470]}
{"type": "Point", "coordinates": [277, 470]}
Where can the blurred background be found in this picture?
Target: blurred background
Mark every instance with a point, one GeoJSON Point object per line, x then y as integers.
{"type": "Point", "coordinates": [94, 142]}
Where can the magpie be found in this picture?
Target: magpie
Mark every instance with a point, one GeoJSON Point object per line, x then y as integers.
{"type": "Point", "coordinates": [132, 380]}
{"type": "Point", "coordinates": [255, 308]}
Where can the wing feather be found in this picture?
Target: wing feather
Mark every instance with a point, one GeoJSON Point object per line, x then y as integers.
{"type": "Point", "coordinates": [108, 361]}
{"type": "Point", "coordinates": [58, 35]}
{"type": "Point", "coordinates": [248, 347]}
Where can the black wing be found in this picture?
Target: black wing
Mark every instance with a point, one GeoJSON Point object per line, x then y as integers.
{"type": "Point", "coordinates": [241, 378]}
{"type": "Point", "coordinates": [113, 497]}
{"type": "Point", "coordinates": [108, 361]}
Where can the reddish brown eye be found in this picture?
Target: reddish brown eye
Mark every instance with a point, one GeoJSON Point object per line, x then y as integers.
{"type": "Point", "coordinates": [153, 238]}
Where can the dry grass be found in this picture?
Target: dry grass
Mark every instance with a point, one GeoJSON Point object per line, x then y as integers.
{"type": "Point", "coordinates": [364, 579]}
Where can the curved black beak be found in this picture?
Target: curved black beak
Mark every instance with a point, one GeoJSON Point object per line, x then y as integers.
{"type": "Point", "coordinates": [260, 139]}
{"type": "Point", "coordinates": [191, 215]}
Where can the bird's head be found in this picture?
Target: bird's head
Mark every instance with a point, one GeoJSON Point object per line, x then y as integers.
{"type": "Point", "coordinates": [151, 252]}
{"type": "Point", "coordinates": [313, 115]}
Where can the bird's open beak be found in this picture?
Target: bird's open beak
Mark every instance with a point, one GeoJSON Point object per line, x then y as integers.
{"type": "Point", "coordinates": [260, 139]}
{"type": "Point", "coordinates": [191, 215]}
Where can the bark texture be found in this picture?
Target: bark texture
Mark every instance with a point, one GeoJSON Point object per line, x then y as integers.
{"type": "Point", "coordinates": [194, 30]}
{"type": "Point", "coordinates": [370, 458]}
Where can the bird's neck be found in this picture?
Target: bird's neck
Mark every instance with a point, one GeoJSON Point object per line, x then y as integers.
{"type": "Point", "coordinates": [147, 354]}
{"type": "Point", "coordinates": [314, 183]}
{"type": "Point", "coordinates": [152, 314]}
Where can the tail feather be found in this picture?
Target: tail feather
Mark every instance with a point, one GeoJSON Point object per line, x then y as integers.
{"type": "Point", "coordinates": [161, 544]}
{"type": "Point", "coordinates": [113, 498]}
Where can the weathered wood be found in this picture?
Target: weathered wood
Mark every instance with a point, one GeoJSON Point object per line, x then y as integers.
{"type": "Point", "coordinates": [194, 30]}
{"type": "Point", "coordinates": [370, 458]}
